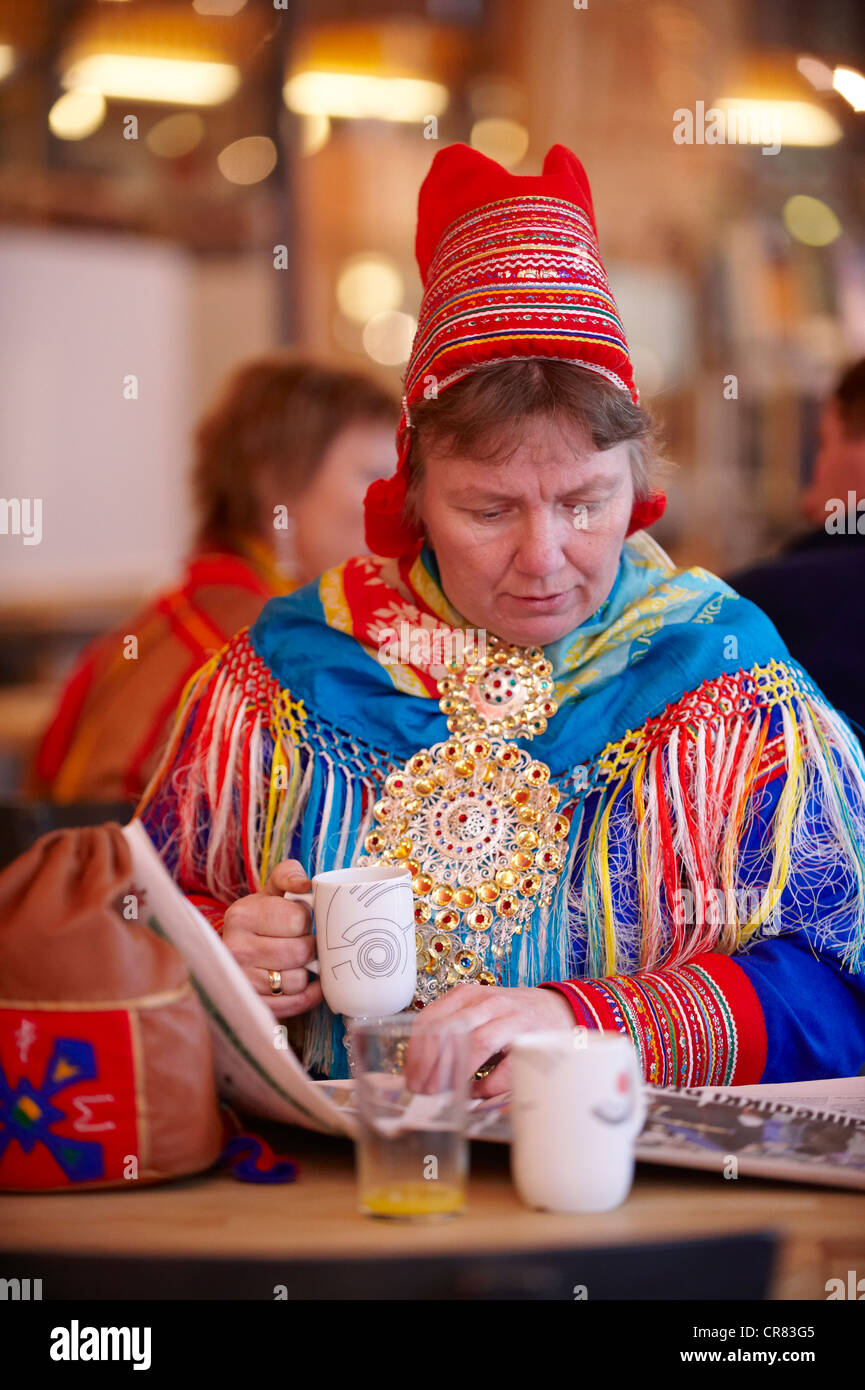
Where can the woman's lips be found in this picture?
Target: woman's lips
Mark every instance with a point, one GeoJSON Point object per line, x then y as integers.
{"type": "Point", "coordinates": [548, 603]}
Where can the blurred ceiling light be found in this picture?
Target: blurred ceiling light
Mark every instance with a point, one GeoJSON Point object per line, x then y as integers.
{"type": "Point", "coordinates": [500, 139]}
{"type": "Point", "coordinates": [7, 60]}
{"type": "Point", "coordinates": [790, 122]}
{"type": "Point", "coordinates": [314, 134]}
{"type": "Point", "coordinates": [184, 81]}
{"type": "Point", "coordinates": [77, 114]}
{"type": "Point", "coordinates": [368, 284]}
{"type": "Point", "coordinates": [386, 68]}
{"type": "Point", "coordinates": [364, 96]}
{"type": "Point", "coordinates": [817, 73]}
{"type": "Point", "coordinates": [810, 221]}
{"type": "Point", "coordinates": [222, 7]}
{"type": "Point", "coordinates": [175, 135]}
{"type": "Point", "coordinates": [387, 337]}
{"type": "Point", "coordinates": [851, 86]}
{"type": "Point", "coordinates": [248, 160]}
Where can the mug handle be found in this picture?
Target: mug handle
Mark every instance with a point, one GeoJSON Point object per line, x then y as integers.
{"type": "Point", "coordinates": [312, 966]}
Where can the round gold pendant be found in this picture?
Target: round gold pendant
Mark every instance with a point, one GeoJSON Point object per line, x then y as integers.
{"type": "Point", "coordinates": [476, 818]}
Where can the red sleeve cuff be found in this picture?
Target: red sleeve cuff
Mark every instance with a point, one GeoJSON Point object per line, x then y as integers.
{"type": "Point", "coordinates": [582, 1014]}
{"type": "Point", "coordinates": [698, 1025]}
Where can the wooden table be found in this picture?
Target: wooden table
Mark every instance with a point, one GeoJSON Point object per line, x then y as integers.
{"type": "Point", "coordinates": [313, 1223]}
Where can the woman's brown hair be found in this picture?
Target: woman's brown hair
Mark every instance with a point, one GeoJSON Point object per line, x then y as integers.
{"type": "Point", "coordinates": [279, 412]}
{"type": "Point", "coordinates": [476, 417]}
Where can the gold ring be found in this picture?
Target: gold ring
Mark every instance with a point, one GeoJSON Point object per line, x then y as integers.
{"type": "Point", "coordinates": [275, 980]}
{"type": "Point", "coordinates": [489, 1066]}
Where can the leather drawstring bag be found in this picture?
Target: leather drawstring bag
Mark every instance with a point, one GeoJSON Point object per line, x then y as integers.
{"type": "Point", "coordinates": [106, 1069]}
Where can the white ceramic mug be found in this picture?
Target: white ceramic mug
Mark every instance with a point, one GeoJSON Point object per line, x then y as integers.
{"type": "Point", "coordinates": [364, 939]}
{"type": "Point", "coordinates": [576, 1109]}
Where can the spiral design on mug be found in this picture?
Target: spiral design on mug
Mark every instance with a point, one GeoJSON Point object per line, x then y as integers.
{"type": "Point", "coordinates": [378, 954]}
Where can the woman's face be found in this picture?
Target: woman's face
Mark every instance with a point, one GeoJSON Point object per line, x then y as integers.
{"type": "Point", "coordinates": [528, 547]}
{"type": "Point", "coordinates": [328, 515]}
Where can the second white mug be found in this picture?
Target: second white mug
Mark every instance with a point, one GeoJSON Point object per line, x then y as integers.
{"type": "Point", "coordinates": [576, 1110]}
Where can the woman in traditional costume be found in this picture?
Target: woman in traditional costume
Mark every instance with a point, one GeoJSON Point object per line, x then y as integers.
{"type": "Point", "coordinates": [283, 458]}
{"type": "Point", "coordinates": [626, 808]}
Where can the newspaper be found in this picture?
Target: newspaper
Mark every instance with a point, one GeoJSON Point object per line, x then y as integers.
{"type": "Point", "coordinates": [255, 1066]}
{"type": "Point", "coordinates": [806, 1131]}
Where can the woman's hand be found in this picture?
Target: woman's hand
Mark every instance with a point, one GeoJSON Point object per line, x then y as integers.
{"type": "Point", "coordinates": [494, 1016]}
{"type": "Point", "coordinates": [266, 932]}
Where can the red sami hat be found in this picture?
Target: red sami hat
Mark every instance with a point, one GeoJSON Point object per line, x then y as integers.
{"type": "Point", "coordinates": [511, 270]}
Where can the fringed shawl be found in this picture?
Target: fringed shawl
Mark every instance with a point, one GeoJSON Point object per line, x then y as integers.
{"type": "Point", "coordinates": [696, 761]}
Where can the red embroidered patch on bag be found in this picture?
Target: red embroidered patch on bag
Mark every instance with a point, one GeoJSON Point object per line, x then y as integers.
{"type": "Point", "coordinates": [67, 1098]}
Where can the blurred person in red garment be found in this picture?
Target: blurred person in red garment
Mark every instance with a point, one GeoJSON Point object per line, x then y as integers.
{"type": "Point", "coordinates": [282, 461]}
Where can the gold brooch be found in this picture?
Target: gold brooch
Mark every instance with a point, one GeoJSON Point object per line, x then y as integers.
{"type": "Point", "coordinates": [475, 819]}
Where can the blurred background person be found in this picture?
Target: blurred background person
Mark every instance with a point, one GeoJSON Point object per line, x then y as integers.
{"type": "Point", "coordinates": [813, 589]}
{"type": "Point", "coordinates": [282, 461]}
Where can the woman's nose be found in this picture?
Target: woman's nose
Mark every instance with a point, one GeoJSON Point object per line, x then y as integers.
{"type": "Point", "coordinates": [541, 544]}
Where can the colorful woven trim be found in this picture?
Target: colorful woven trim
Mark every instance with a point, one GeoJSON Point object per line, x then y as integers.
{"type": "Point", "coordinates": [513, 278]}
{"type": "Point", "coordinates": [523, 271]}
{"type": "Point", "coordinates": [701, 1025]}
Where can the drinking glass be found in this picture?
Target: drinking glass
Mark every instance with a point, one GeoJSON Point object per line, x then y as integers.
{"type": "Point", "coordinates": [412, 1096]}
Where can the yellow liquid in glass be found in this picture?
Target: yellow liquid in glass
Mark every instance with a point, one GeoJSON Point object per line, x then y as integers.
{"type": "Point", "coordinates": [414, 1199]}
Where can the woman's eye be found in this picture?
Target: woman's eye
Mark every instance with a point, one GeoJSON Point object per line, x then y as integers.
{"type": "Point", "coordinates": [576, 508]}
{"type": "Point", "coordinates": [581, 511]}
